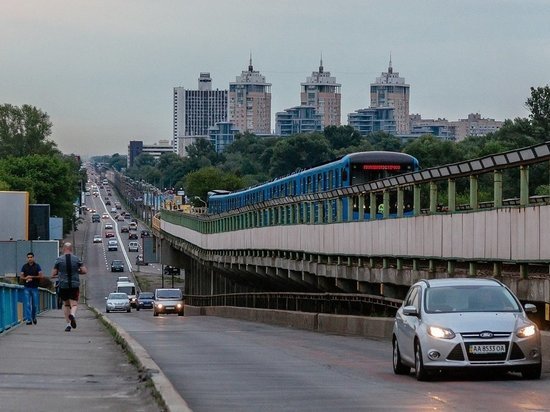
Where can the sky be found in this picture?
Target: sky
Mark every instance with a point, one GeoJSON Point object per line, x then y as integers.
{"type": "Point", "coordinates": [104, 70]}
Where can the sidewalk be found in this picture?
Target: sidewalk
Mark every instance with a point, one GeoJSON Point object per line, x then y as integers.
{"type": "Point", "coordinates": [44, 368]}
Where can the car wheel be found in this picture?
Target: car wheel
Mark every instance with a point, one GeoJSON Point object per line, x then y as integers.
{"type": "Point", "coordinates": [420, 371]}
{"type": "Point", "coordinates": [107, 310]}
{"type": "Point", "coordinates": [137, 308]}
{"type": "Point", "coordinates": [180, 313]}
{"type": "Point", "coordinates": [398, 367]}
{"type": "Point", "coordinates": [155, 313]}
{"type": "Point", "coordinates": [129, 310]}
{"type": "Point", "coordinates": [532, 372]}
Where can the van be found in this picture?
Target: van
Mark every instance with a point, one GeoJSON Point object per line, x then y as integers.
{"type": "Point", "coordinates": [168, 301]}
{"type": "Point", "coordinates": [130, 289]}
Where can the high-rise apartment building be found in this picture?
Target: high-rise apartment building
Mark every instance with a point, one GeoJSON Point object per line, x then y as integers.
{"type": "Point", "coordinates": [390, 90]}
{"type": "Point", "coordinates": [321, 91]}
{"type": "Point", "coordinates": [299, 119]}
{"type": "Point", "coordinates": [475, 125]}
{"type": "Point", "coordinates": [371, 120]}
{"type": "Point", "coordinates": [195, 111]}
{"type": "Point", "coordinates": [250, 102]}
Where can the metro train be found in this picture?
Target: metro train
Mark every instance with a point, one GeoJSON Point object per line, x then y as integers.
{"type": "Point", "coordinates": [348, 170]}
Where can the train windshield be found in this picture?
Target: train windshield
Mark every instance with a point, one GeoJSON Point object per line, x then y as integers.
{"type": "Point", "coordinates": [368, 172]}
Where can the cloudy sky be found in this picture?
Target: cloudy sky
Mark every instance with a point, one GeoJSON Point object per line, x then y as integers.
{"type": "Point", "coordinates": [104, 70]}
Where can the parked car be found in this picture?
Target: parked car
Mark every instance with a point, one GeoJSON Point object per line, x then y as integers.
{"type": "Point", "coordinates": [145, 300]}
{"type": "Point", "coordinates": [168, 301]}
{"type": "Point", "coordinates": [117, 301]}
{"type": "Point", "coordinates": [112, 245]}
{"type": "Point", "coordinates": [97, 239]}
{"type": "Point", "coordinates": [469, 323]}
{"type": "Point", "coordinates": [133, 247]}
{"type": "Point", "coordinates": [117, 266]}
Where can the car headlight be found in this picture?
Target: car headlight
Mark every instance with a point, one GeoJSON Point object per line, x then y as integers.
{"type": "Point", "coordinates": [441, 333]}
{"type": "Point", "coordinates": [159, 305]}
{"type": "Point", "coordinates": [526, 331]}
{"type": "Point", "coordinates": [178, 306]}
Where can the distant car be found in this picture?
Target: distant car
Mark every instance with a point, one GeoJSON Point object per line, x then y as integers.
{"type": "Point", "coordinates": [96, 218]}
{"type": "Point", "coordinates": [109, 234]}
{"type": "Point", "coordinates": [145, 300]}
{"type": "Point", "coordinates": [117, 266]}
{"type": "Point", "coordinates": [112, 245]}
{"type": "Point", "coordinates": [123, 279]}
{"type": "Point", "coordinates": [124, 229]}
{"type": "Point", "coordinates": [128, 216]}
{"type": "Point", "coordinates": [133, 226]}
{"type": "Point", "coordinates": [120, 218]}
{"type": "Point", "coordinates": [105, 216]}
{"type": "Point", "coordinates": [117, 301]}
{"type": "Point", "coordinates": [97, 239]}
{"type": "Point", "coordinates": [108, 226]}
{"type": "Point", "coordinates": [108, 203]}
{"type": "Point", "coordinates": [132, 235]}
{"type": "Point", "coordinates": [145, 233]}
{"type": "Point", "coordinates": [133, 247]}
{"type": "Point", "coordinates": [113, 210]}
{"type": "Point", "coordinates": [168, 301]}
{"type": "Point", "coordinates": [468, 323]}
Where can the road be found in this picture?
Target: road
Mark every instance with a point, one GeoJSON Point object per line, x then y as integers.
{"type": "Point", "coordinates": [220, 364]}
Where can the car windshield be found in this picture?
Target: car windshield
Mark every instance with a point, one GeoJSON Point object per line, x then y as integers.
{"type": "Point", "coordinates": [118, 296]}
{"type": "Point", "coordinates": [117, 262]}
{"type": "Point", "coordinates": [169, 293]}
{"type": "Point", "coordinates": [146, 295]}
{"type": "Point", "coordinates": [470, 299]}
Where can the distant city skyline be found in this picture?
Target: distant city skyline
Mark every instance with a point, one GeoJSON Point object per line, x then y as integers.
{"type": "Point", "coordinates": [105, 71]}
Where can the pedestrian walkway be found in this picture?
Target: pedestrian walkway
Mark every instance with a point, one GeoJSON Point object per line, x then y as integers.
{"type": "Point", "coordinates": [44, 368]}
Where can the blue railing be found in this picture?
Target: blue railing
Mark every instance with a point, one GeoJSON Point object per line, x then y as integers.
{"type": "Point", "coordinates": [11, 304]}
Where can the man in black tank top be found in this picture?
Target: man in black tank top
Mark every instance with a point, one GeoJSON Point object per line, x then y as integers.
{"type": "Point", "coordinates": [68, 268]}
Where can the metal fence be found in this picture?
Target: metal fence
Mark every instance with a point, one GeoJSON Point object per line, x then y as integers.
{"type": "Point", "coordinates": [12, 300]}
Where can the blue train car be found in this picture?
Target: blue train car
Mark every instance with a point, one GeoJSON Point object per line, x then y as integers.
{"type": "Point", "coordinates": [349, 170]}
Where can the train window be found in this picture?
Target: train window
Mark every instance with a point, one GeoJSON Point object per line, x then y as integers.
{"type": "Point", "coordinates": [308, 186]}
{"type": "Point", "coordinates": [319, 182]}
{"type": "Point", "coordinates": [344, 174]}
{"type": "Point", "coordinates": [330, 178]}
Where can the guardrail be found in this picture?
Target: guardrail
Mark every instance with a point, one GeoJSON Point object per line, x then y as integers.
{"type": "Point", "coordinates": [334, 303]}
{"type": "Point", "coordinates": [11, 304]}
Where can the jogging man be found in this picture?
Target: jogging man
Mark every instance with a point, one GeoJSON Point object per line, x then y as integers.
{"type": "Point", "coordinates": [69, 268]}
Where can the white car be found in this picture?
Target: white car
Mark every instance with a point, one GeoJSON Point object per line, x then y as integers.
{"type": "Point", "coordinates": [133, 247]}
{"type": "Point", "coordinates": [117, 301]}
{"type": "Point", "coordinates": [98, 239]}
{"type": "Point", "coordinates": [112, 245]}
{"type": "Point", "coordinates": [468, 323]}
{"type": "Point", "coordinates": [108, 226]}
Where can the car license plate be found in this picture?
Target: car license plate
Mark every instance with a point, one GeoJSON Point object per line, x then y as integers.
{"type": "Point", "coordinates": [169, 307]}
{"type": "Point", "coordinates": [481, 349]}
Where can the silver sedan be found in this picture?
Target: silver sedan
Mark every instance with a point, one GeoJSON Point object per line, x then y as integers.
{"type": "Point", "coordinates": [447, 324]}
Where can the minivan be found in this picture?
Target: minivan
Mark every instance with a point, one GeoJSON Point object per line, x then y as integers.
{"type": "Point", "coordinates": [130, 289]}
{"type": "Point", "coordinates": [168, 301]}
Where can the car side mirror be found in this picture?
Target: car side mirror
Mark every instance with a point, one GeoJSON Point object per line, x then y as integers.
{"type": "Point", "coordinates": [410, 311]}
{"type": "Point", "coordinates": [530, 308]}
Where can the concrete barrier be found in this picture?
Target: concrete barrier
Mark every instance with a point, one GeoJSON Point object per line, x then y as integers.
{"type": "Point", "coordinates": [368, 327]}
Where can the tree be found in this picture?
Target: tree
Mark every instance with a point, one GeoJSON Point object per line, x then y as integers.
{"type": "Point", "coordinates": [341, 137]}
{"type": "Point", "coordinates": [539, 106]}
{"type": "Point", "coordinates": [299, 151]}
{"type": "Point", "coordinates": [52, 180]}
{"type": "Point", "coordinates": [200, 182]}
{"type": "Point", "coordinates": [24, 131]}
{"type": "Point", "coordinates": [432, 151]}
{"type": "Point", "coordinates": [117, 162]}
{"type": "Point", "coordinates": [384, 141]}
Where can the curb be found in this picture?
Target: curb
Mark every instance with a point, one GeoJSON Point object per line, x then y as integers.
{"type": "Point", "coordinates": [164, 388]}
